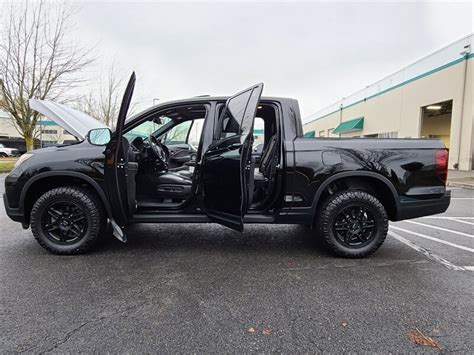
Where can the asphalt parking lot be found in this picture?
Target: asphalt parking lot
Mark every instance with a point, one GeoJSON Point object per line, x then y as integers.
{"type": "Point", "coordinates": [204, 288]}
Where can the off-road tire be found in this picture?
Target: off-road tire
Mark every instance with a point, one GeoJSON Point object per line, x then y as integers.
{"type": "Point", "coordinates": [331, 208]}
{"type": "Point", "coordinates": [90, 206]}
{"type": "Point", "coordinates": [3, 155]}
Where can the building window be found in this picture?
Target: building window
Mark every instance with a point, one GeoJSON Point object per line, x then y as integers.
{"type": "Point", "coordinates": [321, 133]}
{"type": "Point", "coordinates": [50, 131]}
{"type": "Point", "coordinates": [388, 135]}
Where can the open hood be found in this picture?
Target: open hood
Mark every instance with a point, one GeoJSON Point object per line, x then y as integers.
{"type": "Point", "coordinates": [75, 122]}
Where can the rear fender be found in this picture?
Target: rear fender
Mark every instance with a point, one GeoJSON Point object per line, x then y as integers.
{"type": "Point", "coordinates": [348, 174]}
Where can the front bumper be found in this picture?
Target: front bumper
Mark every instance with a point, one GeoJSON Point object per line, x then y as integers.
{"type": "Point", "coordinates": [16, 214]}
{"type": "Point", "coordinates": [420, 208]}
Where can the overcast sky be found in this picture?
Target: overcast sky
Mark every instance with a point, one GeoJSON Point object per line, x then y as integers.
{"type": "Point", "coordinates": [315, 52]}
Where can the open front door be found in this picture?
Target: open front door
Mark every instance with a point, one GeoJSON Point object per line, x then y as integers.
{"type": "Point", "coordinates": [227, 171]}
{"type": "Point", "coordinates": [116, 154]}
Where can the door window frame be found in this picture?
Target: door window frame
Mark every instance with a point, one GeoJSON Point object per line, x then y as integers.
{"type": "Point", "coordinates": [222, 103]}
{"type": "Point", "coordinates": [140, 118]}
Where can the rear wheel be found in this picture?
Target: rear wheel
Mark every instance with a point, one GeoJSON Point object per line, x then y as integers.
{"type": "Point", "coordinates": [352, 223]}
{"type": "Point", "coordinates": [67, 220]}
{"type": "Point", "coordinates": [3, 155]}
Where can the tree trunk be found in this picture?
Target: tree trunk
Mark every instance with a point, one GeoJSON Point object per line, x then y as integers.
{"type": "Point", "coordinates": [29, 143]}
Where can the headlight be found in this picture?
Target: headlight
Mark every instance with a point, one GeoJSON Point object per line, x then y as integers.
{"type": "Point", "coordinates": [22, 159]}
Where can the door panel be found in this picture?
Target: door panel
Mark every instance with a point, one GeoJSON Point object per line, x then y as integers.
{"type": "Point", "coordinates": [180, 154]}
{"type": "Point", "coordinates": [116, 162]}
{"type": "Point", "coordinates": [227, 165]}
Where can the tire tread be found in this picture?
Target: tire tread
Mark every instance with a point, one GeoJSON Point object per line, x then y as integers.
{"type": "Point", "coordinates": [332, 204]}
{"type": "Point", "coordinates": [85, 196]}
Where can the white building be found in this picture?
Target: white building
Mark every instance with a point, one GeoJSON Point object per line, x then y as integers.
{"type": "Point", "coordinates": [431, 98]}
{"type": "Point", "coordinates": [50, 132]}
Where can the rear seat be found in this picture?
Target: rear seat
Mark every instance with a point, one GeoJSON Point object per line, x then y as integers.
{"type": "Point", "coordinates": [262, 173]}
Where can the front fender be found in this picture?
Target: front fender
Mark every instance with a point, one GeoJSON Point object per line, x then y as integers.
{"type": "Point", "coordinates": [45, 175]}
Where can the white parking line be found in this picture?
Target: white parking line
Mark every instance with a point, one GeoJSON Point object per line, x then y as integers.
{"type": "Point", "coordinates": [434, 239]}
{"type": "Point", "coordinates": [465, 222]}
{"type": "Point", "coordinates": [443, 217]}
{"type": "Point", "coordinates": [462, 198]}
{"type": "Point", "coordinates": [469, 268]}
{"type": "Point", "coordinates": [441, 229]}
{"type": "Point", "coordinates": [426, 252]}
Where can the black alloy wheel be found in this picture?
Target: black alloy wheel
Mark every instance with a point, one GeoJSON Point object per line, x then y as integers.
{"type": "Point", "coordinates": [68, 220]}
{"type": "Point", "coordinates": [352, 223]}
{"type": "Point", "coordinates": [64, 222]}
{"type": "Point", "coordinates": [355, 226]}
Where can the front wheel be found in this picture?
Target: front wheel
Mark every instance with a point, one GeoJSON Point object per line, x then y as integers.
{"type": "Point", "coordinates": [67, 220]}
{"type": "Point", "coordinates": [352, 223]}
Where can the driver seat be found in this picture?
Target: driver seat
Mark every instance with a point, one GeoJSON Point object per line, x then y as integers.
{"type": "Point", "coordinates": [174, 185]}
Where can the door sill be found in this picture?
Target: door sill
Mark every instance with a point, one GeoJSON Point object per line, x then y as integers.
{"type": "Point", "coordinates": [193, 218]}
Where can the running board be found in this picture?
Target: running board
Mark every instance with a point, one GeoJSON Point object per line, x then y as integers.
{"type": "Point", "coordinates": [193, 218]}
{"type": "Point", "coordinates": [118, 232]}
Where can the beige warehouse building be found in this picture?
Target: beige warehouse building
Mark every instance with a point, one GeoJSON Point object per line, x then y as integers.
{"type": "Point", "coordinates": [431, 98]}
{"type": "Point", "coordinates": [48, 133]}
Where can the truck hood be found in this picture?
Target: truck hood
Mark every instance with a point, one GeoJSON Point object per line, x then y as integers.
{"type": "Point", "coordinates": [75, 122]}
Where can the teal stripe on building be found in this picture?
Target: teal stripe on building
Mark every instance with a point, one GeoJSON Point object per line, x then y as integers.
{"type": "Point", "coordinates": [406, 82]}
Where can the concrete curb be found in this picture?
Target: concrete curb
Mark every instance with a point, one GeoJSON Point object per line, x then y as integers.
{"type": "Point", "coordinates": [464, 185]}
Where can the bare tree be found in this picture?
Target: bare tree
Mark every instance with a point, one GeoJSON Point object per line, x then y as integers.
{"type": "Point", "coordinates": [36, 60]}
{"type": "Point", "coordinates": [105, 104]}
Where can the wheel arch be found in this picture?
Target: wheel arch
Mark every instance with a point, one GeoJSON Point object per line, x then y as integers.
{"type": "Point", "coordinates": [374, 183]}
{"type": "Point", "coordinates": [43, 182]}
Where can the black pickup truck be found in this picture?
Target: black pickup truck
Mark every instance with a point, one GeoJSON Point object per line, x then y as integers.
{"type": "Point", "coordinates": [191, 161]}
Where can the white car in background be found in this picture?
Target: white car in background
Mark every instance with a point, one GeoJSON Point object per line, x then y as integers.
{"type": "Point", "coordinates": [8, 152]}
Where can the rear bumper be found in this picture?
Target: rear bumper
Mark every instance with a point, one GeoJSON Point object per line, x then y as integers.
{"type": "Point", "coordinates": [420, 208]}
{"type": "Point", "coordinates": [16, 214]}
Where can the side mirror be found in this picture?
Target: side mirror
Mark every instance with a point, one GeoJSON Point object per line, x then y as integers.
{"type": "Point", "coordinates": [99, 136]}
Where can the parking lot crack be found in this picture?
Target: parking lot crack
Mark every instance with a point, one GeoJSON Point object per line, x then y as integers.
{"type": "Point", "coordinates": [75, 330]}
{"type": "Point", "coordinates": [66, 337]}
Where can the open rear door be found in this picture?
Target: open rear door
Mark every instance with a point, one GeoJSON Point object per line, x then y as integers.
{"type": "Point", "coordinates": [116, 161]}
{"type": "Point", "coordinates": [227, 171]}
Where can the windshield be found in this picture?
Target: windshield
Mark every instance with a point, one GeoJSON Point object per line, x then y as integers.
{"type": "Point", "coordinates": [2, 146]}
{"type": "Point", "coordinates": [146, 128]}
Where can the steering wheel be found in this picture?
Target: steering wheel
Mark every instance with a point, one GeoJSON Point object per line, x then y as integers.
{"type": "Point", "coordinates": [160, 151]}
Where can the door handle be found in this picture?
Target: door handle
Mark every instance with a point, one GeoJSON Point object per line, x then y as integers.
{"type": "Point", "coordinates": [215, 158]}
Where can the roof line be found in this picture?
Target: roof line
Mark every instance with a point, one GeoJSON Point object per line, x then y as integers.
{"type": "Point", "coordinates": [398, 71]}
{"type": "Point", "coordinates": [403, 83]}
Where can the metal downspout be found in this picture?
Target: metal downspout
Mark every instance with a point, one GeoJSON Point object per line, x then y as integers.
{"type": "Point", "coordinates": [466, 52]}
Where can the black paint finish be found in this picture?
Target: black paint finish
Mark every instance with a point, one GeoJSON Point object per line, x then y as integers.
{"type": "Point", "coordinates": [403, 170]}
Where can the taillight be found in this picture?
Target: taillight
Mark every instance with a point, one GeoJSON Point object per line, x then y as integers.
{"type": "Point", "coordinates": [442, 156]}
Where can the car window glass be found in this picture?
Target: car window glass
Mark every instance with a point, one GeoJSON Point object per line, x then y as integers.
{"type": "Point", "coordinates": [195, 133]}
{"type": "Point", "coordinates": [258, 131]}
{"type": "Point", "coordinates": [146, 128]}
{"type": "Point", "coordinates": [237, 105]}
{"type": "Point", "coordinates": [178, 134]}
{"type": "Point", "coordinates": [231, 120]}
{"type": "Point", "coordinates": [229, 126]}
